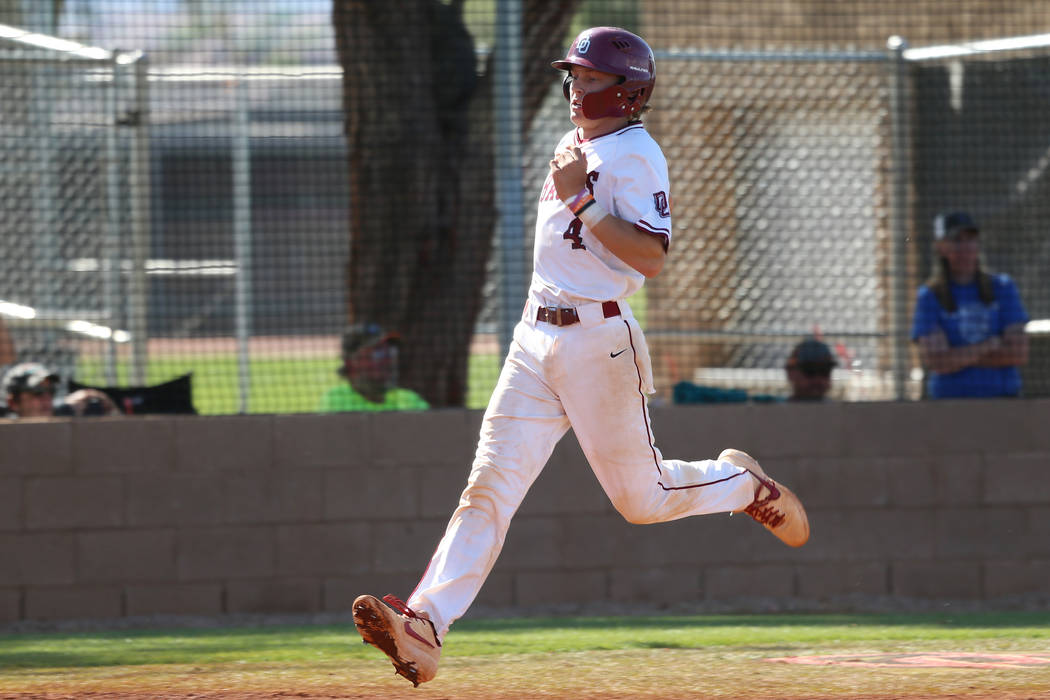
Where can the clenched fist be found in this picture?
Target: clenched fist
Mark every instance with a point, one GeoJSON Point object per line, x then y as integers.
{"type": "Point", "coordinates": [569, 172]}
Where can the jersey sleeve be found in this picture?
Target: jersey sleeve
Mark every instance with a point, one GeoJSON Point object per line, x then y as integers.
{"type": "Point", "coordinates": [643, 195]}
{"type": "Point", "coordinates": [924, 321]}
{"type": "Point", "coordinates": [1010, 307]}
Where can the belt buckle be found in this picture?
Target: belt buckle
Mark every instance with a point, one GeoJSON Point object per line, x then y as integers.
{"type": "Point", "coordinates": [559, 316]}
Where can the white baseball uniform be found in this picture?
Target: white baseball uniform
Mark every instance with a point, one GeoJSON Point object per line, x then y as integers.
{"type": "Point", "coordinates": [592, 375]}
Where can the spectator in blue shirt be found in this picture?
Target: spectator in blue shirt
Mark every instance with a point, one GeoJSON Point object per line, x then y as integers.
{"type": "Point", "coordinates": [969, 324]}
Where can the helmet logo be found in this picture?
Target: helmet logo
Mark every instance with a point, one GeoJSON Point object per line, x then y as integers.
{"type": "Point", "coordinates": [584, 45]}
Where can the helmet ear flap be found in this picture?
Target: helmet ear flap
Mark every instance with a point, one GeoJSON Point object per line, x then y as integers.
{"type": "Point", "coordinates": [604, 103]}
{"type": "Point", "coordinates": [637, 99]}
{"type": "Point", "coordinates": [614, 101]}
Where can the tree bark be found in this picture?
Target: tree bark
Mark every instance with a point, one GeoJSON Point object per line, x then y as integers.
{"type": "Point", "coordinates": [418, 122]}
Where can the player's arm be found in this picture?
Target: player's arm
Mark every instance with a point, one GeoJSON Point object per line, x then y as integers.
{"type": "Point", "coordinates": [644, 252]}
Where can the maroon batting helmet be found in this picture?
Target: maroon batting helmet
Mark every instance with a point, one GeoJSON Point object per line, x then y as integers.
{"type": "Point", "coordinates": [617, 51]}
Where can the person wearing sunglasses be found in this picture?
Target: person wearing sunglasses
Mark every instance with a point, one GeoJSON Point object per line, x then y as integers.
{"type": "Point", "coordinates": [808, 370]}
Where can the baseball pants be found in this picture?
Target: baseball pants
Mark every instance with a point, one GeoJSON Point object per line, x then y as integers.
{"type": "Point", "coordinates": [592, 376]}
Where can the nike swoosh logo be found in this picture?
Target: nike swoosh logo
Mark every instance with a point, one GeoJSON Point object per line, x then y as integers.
{"type": "Point", "coordinates": [412, 633]}
{"type": "Point", "coordinates": [617, 354]}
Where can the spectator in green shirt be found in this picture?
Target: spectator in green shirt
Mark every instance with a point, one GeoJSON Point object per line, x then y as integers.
{"type": "Point", "coordinates": [370, 369]}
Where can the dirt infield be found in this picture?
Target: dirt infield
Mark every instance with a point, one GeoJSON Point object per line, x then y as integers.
{"type": "Point", "coordinates": [788, 668]}
{"type": "Point", "coordinates": [650, 674]}
{"type": "Point", "coordinates": [943, 659]}
{"type": "Point", "coordinates": [336, 694]}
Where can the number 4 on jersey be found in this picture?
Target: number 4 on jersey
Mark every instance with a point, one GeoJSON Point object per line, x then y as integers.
{"type": "Point", "coordinates": [573, 234]}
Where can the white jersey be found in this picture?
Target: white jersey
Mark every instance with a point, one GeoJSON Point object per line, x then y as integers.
{"type": "Point", "coordinates": [627, 174]}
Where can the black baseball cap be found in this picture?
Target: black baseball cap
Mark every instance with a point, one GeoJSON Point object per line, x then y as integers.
{"type": "Point", "coordinates": [811, 352]}
{"type": "Point", "coordinates": [950, 224]}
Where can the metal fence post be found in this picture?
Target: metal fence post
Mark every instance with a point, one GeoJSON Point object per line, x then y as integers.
{"type": "Point", "coordinates": [509, 160]}
{"type": "Point", "coordinates": [242, 236]}
{"type": "Point", "coordinates": [111, 258]}
{"type": "Point", "coordinates": [141, 226]}
{"type": "Point", "coordinates": [899, 211]}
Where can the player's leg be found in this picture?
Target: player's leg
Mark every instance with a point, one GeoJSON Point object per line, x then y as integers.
{"type": "Point", "coordinates": [603, 387]}
{"type": "Point", "coordinates": [604, 395]}
{"type": "Point", "coordinates": [521, 426]}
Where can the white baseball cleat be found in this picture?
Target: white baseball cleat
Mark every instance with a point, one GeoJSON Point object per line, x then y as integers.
{"type": "Point", "coordinates": [775, 506]}
{"type": "Point", "coordinates": [407, 637]}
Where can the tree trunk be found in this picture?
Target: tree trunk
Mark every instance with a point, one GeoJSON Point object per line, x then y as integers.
{"type": "Point", "coordinates": [418, 122]}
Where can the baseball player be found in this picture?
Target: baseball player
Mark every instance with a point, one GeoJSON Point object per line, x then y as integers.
{"type": "Point", "coordinates": [578, 359]}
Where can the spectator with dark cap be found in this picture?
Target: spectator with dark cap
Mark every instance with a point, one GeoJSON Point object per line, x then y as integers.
{"type": "Point", "coordinates": [370, 367]}
{"type": "Point", "coordinates": [808, 370]}
{"type": "Point", "coordinates": [30, 388]}
{"type": "Point", "coordinates": [969, 324]}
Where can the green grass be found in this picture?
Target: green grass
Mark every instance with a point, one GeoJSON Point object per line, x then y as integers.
{"type": "Point", "coordinates": [644, 658]}
{"type": "Point", "coordinates": [278, 385]}
{"type": "Point", "coordinates": [479, 638]}
{"type": "Point", "coordinates": [281, 384]}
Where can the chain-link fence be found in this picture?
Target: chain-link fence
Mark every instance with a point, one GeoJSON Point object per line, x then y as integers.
{"type": "Point", "coordinates": [75, 190]}
{"type": "Point", "coordinates": [227, 208]}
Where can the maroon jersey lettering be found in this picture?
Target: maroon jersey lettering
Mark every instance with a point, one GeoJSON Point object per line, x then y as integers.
{"type": "Point", "coordinates": [548, 193]}
{"type": "Point", "coordinates": [662, 204]}
{"type": "Point", "coordinates": [573, 234]}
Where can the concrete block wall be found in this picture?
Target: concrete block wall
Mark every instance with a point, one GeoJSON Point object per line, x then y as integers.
{"type": "Point", "coordinates": [191, 515]}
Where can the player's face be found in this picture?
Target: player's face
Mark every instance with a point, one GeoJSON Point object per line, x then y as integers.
{"type": "Point", "coordinates": [584, 82]}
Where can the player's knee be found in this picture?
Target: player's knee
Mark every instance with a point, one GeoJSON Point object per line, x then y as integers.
{"type": "Point", "coordinates": [478, 495]}
{"type": "Point", "coordinates": [487, 494]}
{"type": "Point", "coordinates": [633, 512]}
